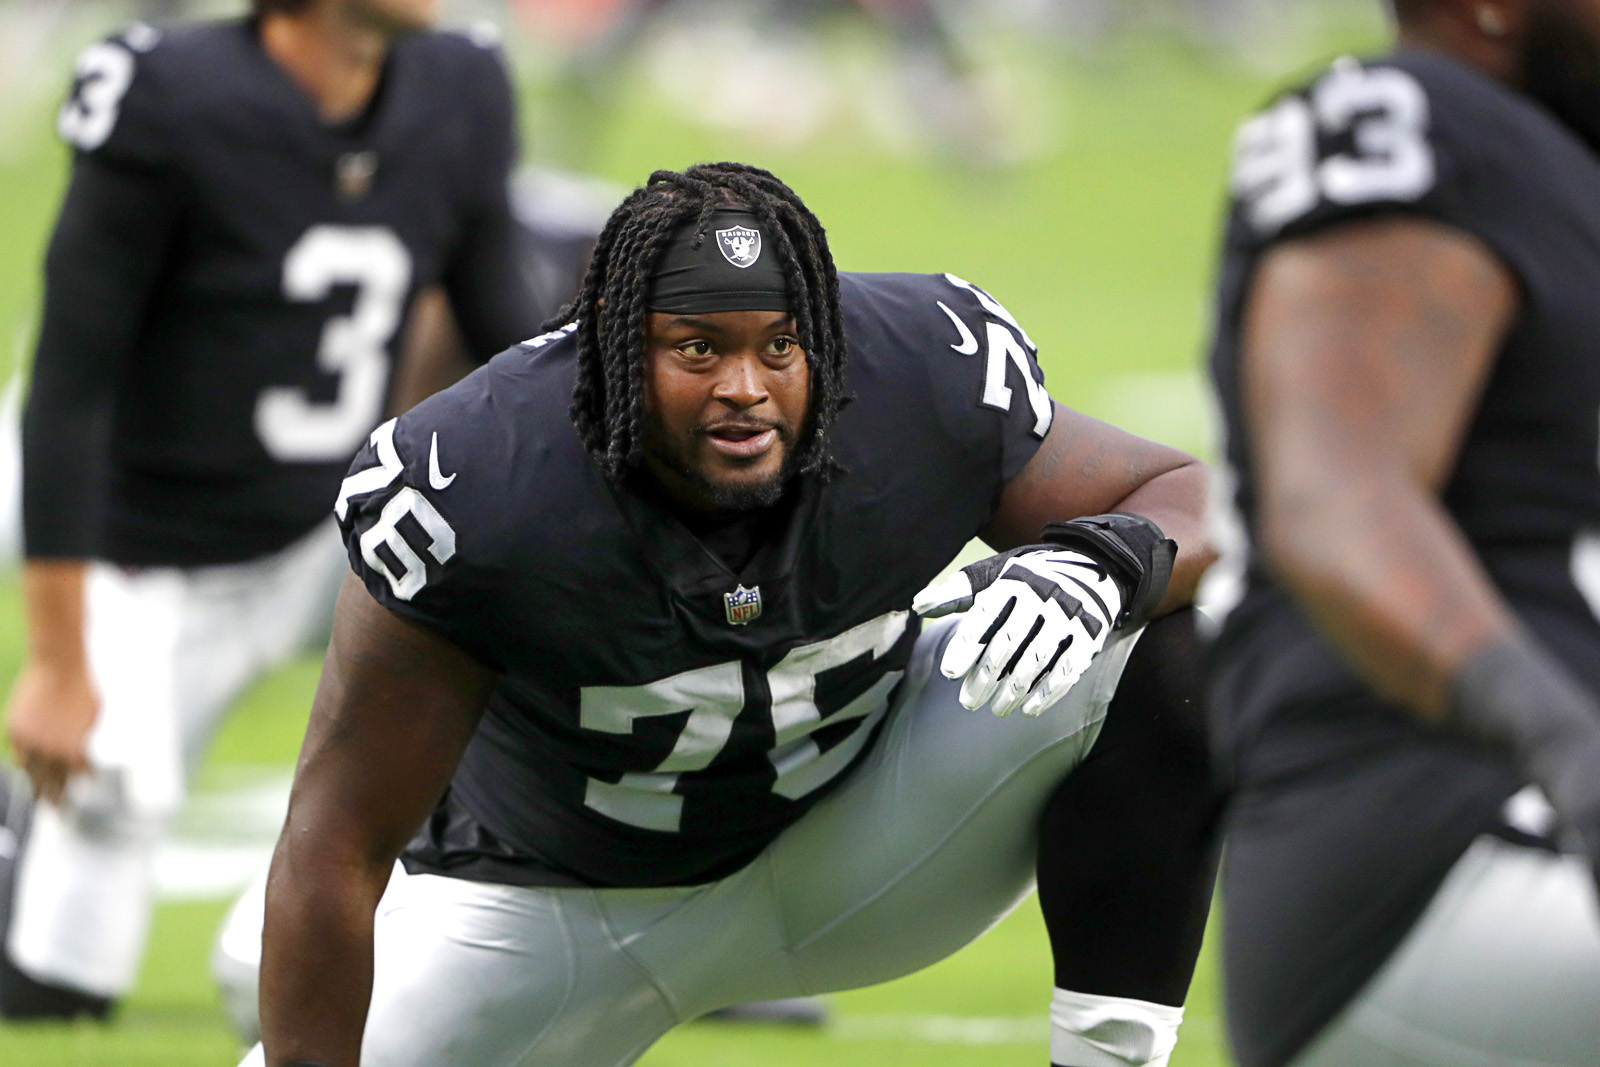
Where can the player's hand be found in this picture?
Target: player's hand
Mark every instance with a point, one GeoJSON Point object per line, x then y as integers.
{"type": "Point", "coordinates": [1518, 697]}
{"type": "Point", "coordinates": [1036, 617]}
{"type": "Point", "coordinates": [52, 709]}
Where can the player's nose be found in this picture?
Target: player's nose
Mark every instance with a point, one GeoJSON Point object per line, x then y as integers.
{"type": "Point", "coordinates": [741, 380]}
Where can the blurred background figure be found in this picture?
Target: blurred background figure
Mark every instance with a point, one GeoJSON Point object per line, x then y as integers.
{"type": "Point", "coordinates": [1406, 694]}
{"type": "Point", "coordinates": [759, 65]}
{"type": "Point", "coordinates": [255, 208]}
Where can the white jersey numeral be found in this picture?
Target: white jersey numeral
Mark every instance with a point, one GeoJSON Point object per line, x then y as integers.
{"type": "Point", "coordinates": [714, 697]}
{"type": "Point", "coordinates": [1387, 112]}
{"type": "Point", "coordinates": [102, 76]}
{"type": "Point", "coordinates": [371, 479]}
{"type": "Point", "coordinates": [1273, 156]}
{"type": "Point", "coordinates": [1001, 351]}
{"type": "Point", "coordinates": [292, 427]}
{"type": "Point", "coordinates": [801, 764]}
{"type": "Point", "coordinates": [1275, 167]}
{"type": "Point", "coordinates": [408, 581]}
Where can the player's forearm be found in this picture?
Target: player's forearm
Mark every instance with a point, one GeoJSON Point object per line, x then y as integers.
{"type": "Point", "coordinates": [1176, 502]}
{"type": "Point", "coordinates": [52, 592]}
{"type": "Point", "coordinates": [316, 961]}
{"type": "Point", "coordinates": [1387, 576]}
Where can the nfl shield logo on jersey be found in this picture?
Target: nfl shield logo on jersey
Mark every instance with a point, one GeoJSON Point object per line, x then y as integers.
{"type": "Point", "coordinates": [740, 245]}
{"type": "Point", "coordinates": [743, 605]}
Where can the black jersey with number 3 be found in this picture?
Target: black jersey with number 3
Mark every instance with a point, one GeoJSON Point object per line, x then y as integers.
{"type": "Point", "coordinates": [1416, 134]}
{"type": "Point", "coordinates": [661, 716]}
{"type": "Point", "coordinates": [230, 275]}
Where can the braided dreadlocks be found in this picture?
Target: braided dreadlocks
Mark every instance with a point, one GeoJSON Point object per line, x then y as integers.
{"type": "Point", "coordinates": [608, 399]}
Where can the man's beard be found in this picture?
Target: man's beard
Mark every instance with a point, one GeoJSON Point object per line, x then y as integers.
{"type": "Point", "coordinates": [1561, 70]}
{"type": "Point", "coordinates": [725, 498]}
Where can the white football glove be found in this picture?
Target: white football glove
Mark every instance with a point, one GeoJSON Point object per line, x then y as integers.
{"type": "Point", "coordinates": [1036, 617]}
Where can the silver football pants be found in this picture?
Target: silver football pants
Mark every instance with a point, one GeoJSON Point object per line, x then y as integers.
{"type": "Point", "coordinates": [927, 844]}
{"type": "Point", "coordinates": [1501, 970]}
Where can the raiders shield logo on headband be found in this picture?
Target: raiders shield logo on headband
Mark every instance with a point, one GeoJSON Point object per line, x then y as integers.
{"type": "Point", "coordinates": [740, 245]}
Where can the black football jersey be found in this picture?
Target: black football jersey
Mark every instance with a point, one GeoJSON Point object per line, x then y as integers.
{"type": "Point", "coordinates": [280, 278]}
{"type": "Point", "coordinates": [1422, 135]}
{"type": "Point", "coordinates": [661, 716]}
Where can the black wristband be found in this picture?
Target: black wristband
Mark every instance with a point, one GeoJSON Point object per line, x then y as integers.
{"type": "Point", "coordinates": [1518, 697]}
{"type": "Point", "coordinates": [304, 1063]}
{"type": "Point", "coordinates": [1137, 555]}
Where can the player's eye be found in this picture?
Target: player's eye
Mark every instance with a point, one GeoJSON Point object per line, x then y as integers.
{"type": "Point", "coordinates": [783, 346]}
{"type": "Point", "coordinates": [695, 349]}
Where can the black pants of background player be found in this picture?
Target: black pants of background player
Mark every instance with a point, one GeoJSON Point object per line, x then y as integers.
{"type": "Point", "coordinates": [1378, 909]}
{"type": "Point", "coordinates": [1128, 844]}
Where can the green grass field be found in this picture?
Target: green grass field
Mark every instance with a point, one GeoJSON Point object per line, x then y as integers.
{"type": "Point", "coordinates": [1100, 245]}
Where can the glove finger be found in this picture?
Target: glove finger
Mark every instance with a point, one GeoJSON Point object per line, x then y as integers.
{"type": "Point", "coordinates": [986, 676]}
{"type": "Point", "coordinates": [1057, 682]}
{"type": "Point", "coordinates": [1032, 662]}
{"type": "Point", "coordinates": [1080, 649]}
{"type": "Point", "coordinates": [950, 594]}
{"type": "Point", "coordinates": [973, 632]}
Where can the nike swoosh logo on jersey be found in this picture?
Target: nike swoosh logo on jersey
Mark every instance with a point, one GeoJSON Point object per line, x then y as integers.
{"type": "Point", "coordinates": [969, 343]}
{"type": "Point", "coordinates": [435, 478]}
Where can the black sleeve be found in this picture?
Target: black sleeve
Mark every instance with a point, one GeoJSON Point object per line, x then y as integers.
{"type": "Point", "coordinates": [1410, 134]}
{"type": "Point", "coordinates": [988, 375]}
{"type": "Point", "coordinates": [427, 544]}
{"type": "Point", "coordinates": [489, 292]}
{"type": "Point", "coordinates": [102, 264]}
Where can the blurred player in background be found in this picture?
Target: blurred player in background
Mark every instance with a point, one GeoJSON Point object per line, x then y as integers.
{"type": "Point", "coordinates": [632, 636]}
{"type": "Point", "coordinates": [254, 208]}
{"type": "Point", "coordinates": [1407, 686]}
{"type": "Point", "coordinates": [936, 73]}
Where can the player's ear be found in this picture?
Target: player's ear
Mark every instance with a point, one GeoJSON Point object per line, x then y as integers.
{"type": "Point", "coordinates": [1494, 19]}
{"type": "Point", "coordinates": [1500, 19]}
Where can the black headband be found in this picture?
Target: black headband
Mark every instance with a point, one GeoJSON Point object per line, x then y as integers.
{"type": "Point", "coordinates": [734, 268]}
